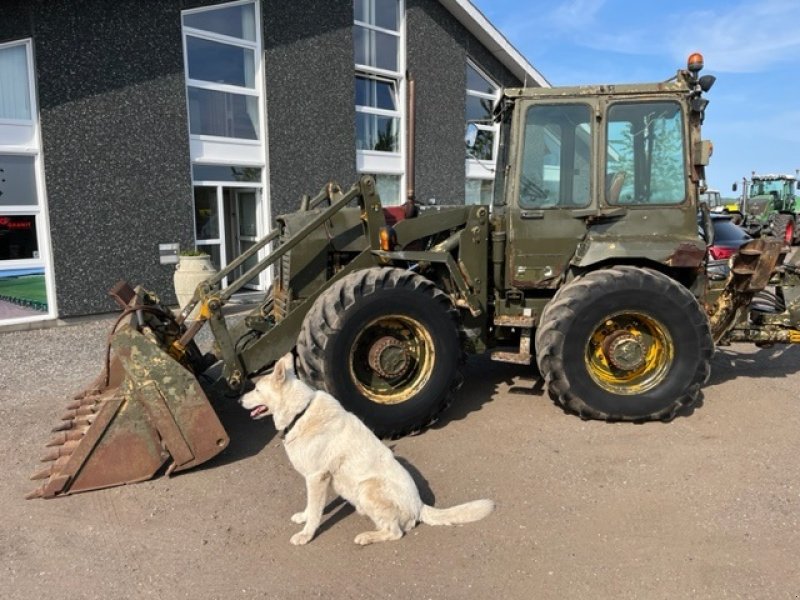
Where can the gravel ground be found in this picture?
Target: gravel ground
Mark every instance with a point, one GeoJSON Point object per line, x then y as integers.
{"type": "Point", "coordinates": [707, 506]}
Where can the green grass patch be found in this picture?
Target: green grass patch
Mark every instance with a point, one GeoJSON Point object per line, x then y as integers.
{"type": "Point", "coordinates": [26, 287]}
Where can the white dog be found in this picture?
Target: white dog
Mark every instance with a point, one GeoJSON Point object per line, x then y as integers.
{"type": "Point", "coordinates": [330, 446]}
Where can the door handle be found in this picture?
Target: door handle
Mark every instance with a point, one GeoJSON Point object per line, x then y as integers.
{"type": "Point", "coordinates": [531, 214]}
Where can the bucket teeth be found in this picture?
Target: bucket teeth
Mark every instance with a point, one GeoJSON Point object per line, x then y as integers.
{"type": "Point", "coordinates": [42, 473]}
{"type": "Point", "coordinates": [76, 404]}
{"type": "Point", "coordinates": [63, 450]}
{"type": "Point", "coordinates": [63, 437]}
{"type": "Point", "coordinates": [37, 493]}
{"type": "Point", "coordinates": [87, 393]}
{"type": "Point", "coordinates": [63, 426]}
{"type": "Point", "coordinates": [84, 411]}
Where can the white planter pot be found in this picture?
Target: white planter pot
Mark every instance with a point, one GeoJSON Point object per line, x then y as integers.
{"type": "Point", "coordinates": [189, 273]}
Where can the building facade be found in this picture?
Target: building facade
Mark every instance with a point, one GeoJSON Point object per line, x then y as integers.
{"type": "Point", "coordinates": [125, 125]}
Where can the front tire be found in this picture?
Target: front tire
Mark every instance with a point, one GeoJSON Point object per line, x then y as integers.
{"type": "Point", "coordinates": [624, 343]}
{"type": "Point", "coordinates": [385, 343]}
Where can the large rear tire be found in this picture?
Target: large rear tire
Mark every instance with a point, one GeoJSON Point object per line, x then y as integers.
{"type": "Point", "coordinates": [385, 343]}
{"type": "Point", "coordinates": [624, 343]}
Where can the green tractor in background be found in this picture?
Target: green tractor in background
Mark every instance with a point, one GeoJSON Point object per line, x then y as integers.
{"type": "Point", "coordinates": [771, 207]}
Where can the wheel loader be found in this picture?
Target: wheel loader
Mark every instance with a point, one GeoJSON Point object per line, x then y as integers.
{"type": "Point", "coordinates": [591, 262]}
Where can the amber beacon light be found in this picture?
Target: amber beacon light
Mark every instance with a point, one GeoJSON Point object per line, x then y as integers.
{"type": "Point", "coordinates": [695, 62]}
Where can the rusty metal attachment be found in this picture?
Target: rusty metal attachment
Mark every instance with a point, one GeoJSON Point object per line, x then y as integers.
{"type": "Point", "coordinates": [751, 270]}
{"type": "Point", "coordinates": [145, 410]}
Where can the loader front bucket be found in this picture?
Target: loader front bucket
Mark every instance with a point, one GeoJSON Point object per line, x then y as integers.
{"type": "Point", "coordinates": [145, 410]}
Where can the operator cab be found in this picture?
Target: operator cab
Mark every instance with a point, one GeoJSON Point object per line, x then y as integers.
{"type": "Point", "coordinates": [599, 163]}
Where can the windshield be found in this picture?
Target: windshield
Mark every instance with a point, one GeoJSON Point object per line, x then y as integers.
{"type": "Point", "coordinates": [777, 187]}
{"type": "Point", "coordinates": [645, 154]}
{"type": "Point", "coordinates": [711, 198]}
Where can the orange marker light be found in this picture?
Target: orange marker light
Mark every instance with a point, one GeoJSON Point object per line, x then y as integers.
{"type": "Point", "coordinates": [695, 62]}
{"type": "Point", "coordinates": [388, 238]}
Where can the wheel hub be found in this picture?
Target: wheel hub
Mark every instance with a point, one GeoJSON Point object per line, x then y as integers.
{"type": "Point", "coordinates": [389, 358]}
{"type": "Point", "coordinates": [625, 351]}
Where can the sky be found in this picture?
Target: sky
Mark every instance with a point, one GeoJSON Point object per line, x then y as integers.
{"type": "Point", "coordinates": [752, 47]}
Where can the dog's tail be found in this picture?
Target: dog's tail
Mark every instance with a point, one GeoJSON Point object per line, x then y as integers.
{"type": "Point", "coordinates": [455, 515]}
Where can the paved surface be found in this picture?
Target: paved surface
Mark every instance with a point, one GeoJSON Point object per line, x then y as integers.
{"type": "Point", "coordinates": [707, 506]}
{"type": "Point", "coordinates": [9, 310]}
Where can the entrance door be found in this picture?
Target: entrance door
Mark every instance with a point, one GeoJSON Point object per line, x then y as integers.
{"type": "Point", "coordinates": [228, 222]}
{"type": "Point", "coordinates": [244, 221]}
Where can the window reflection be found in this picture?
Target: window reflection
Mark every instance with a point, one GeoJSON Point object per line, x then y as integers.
{"type": "Point", "coordinates": [233, 21]}
{"type": "Point", "coordinates": [223, 114]}
{"type": "Point", "coordinates": [220, 63]}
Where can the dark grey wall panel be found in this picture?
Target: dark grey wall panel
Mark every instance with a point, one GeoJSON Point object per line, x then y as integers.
{"type": "Point", "coordinates": [115, 141]}
{"type": "Point", "coordinates": [310, 97]}
{"type": "Point", "coordinates": [437, 50]}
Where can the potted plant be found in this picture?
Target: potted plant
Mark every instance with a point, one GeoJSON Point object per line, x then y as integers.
{"type": "Point", "coordinates": [194, 267]}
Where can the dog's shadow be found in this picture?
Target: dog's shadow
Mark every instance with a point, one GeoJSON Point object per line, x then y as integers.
{"type": "Point", "coordinates": [338, 508]}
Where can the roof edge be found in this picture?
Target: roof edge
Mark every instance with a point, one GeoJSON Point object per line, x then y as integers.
{"type": "Point", "coordinates": [478, 25]}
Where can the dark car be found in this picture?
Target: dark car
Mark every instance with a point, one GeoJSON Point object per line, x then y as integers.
{"type": "Point", "coordinates": [727, 239]}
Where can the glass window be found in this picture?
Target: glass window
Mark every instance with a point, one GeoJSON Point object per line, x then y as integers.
{"type": "Point", "coordinates": [555, 162]}
{"type": "Point", "coordinates": [374, 132]}
{"type": "Point", "coordinates": [375, 48]}
{"type": "Point", "coordinates": [479, 110]}
{"type": "Point", "coordinates": [15, 97]}
{"type": "Point", "coordinates": [381, 13]}
{"type": "Point", "coordinates": [220, 63]}
{"type": "Point", "coordinates": [376, 93]}
{"type": "Point", "coordinates": [645, 157]}
{"type": "Point", "coordinates": [388, 187]}
{"type": "Point", "coordinates": [234, 21]}
{"type": "Point", "coordinates": [206, 213]}
{"type": "Point", "coordinates": [17, 180]}
{"type": "Point", "coordinates": [478, 82]}
{"type": "Point", "coordinates": [23, 293]}
{"type": "Point", "coordinates": [18, 239]}
{"type": "Point", "coordinates": [479, 191]}
{"type": "Point", "coordinates": [481, 129]}
{"type": "Point", "coordinates": [226, 173]}
{"type": "Point", "coordinates": [223, 114]}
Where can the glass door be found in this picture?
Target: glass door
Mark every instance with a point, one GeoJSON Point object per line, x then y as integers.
{"type": "Point", "coordinates": [245, 229]}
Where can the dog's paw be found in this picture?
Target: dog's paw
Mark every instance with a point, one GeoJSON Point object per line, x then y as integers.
{"type": "Point", "coordinates": [364, 539]}
{"type": "Point", "coordinates": [299, 518]}
{"type": "Point", "coordinates": [302, 538]}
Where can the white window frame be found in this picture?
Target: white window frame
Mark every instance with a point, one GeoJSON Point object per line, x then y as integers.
{"type": "Point", "coordinates": [258, 83]}
{"type": "Point", "coordinates": [22, 137]}
{"type": "Point", "coordinates": [475, 168]}
{"type": "Point", "coordinates": [219, 150]}
{"type": "Point", "coordinates": [374, 162]}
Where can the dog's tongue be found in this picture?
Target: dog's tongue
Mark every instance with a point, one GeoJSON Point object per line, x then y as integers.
{"type": "Point", "coordinates": [258, 410]}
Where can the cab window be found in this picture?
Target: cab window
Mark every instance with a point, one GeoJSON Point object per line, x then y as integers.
{"type": "Point", "coordinates": [644, 154]}
{"type": "Point", "coordinates": [555, 170]}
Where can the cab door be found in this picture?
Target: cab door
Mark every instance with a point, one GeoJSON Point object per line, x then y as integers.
{"type": "Point", "coordinates": [553, 190]}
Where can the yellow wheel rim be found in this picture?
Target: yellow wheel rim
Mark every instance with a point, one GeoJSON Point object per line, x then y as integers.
{"type": "Point", "coordinates": [629, 353]}
{"type": "Point", "coordinates": [392, 359]}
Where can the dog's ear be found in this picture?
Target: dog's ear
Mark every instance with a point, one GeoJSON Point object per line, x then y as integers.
{"type": "Point", "coordinates": [279, 374]}
{"type": "Point", "coordinates": [288, 361]}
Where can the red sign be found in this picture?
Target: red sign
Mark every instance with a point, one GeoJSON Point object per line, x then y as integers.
{"type": "Point", "coordinates": [18, 223]}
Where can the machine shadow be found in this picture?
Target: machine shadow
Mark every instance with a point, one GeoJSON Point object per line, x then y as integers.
{"type": "Point", "coordinates": [483, 378]}
{"type": "Point", "coordinates": [767, 363]}
{"type": "Point", "coordinates": [247, 436]}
